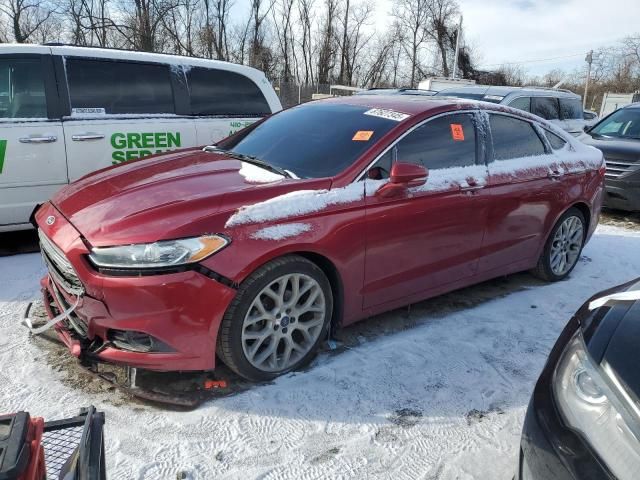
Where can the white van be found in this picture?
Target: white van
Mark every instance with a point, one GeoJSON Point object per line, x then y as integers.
{"type": "Point", "coordinates": [66, 111]}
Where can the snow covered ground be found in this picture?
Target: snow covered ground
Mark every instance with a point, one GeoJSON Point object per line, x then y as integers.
{"type": "Point", "coordinates": [435, 392]}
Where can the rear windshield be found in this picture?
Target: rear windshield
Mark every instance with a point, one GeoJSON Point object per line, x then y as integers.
{"type": "Point", "coordinates": [315, 139]}
{"type": "Point", "coordinates": [624, 123]}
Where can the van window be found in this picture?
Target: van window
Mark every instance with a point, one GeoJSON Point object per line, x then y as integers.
{"type": "Point", "coordinates": [119, 87]}
{"type": "Point", "coordinates": [522, 103]}
{"type": "Point", "coordinates": [220, 92]}
{"type": "Point", "coordinates": [22, 88]}
{"type": "Point", "coordinates": [444, 142]}
{"type": "Point", "coordinates": [571, 109]}
{"type": "Point", "coordinates": [545, 107]}
{"type": "Point", "coordinates": [513, 138]}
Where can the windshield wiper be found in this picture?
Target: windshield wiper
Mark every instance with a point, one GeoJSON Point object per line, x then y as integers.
{"type": "Point", "coordinates": [250, 159]}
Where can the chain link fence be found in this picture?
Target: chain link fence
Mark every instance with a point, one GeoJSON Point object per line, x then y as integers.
{"type": "Point", "coordinates": [291, 93]}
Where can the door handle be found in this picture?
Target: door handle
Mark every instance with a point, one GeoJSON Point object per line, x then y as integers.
{"type": "Point", "coordinates": [554, 174]}
{"type": "Point", "coordinates": [38, 139]}
{"type": "Point", "coordinates": [82, 137]}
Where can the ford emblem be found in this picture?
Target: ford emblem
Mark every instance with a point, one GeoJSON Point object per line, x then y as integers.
{"type": "Point", "coordinates": [51, 220]}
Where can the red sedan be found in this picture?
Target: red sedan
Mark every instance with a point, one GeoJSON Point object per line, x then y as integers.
{"type": "Point", "coordinates": [318, 216]}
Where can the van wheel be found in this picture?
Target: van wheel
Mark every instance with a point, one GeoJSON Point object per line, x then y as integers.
{"type": "Point", "coordinates": [563, 247]}
{"type": "Point", "coordinates": [277, 320]}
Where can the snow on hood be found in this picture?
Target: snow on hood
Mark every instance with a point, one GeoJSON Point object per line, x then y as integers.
{"type": "Point", "coordinates": [255, 174]}
{"type": "Point", "coordinates": [296, 203]}
{"type": "Point", "coordinates": [280, 232]}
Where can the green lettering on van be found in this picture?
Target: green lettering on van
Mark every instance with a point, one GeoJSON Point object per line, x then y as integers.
{"type": "Point", "coordinates": [173, 139]}
{"type": "Point", "coordinates": [3, 150]}
{"type": "Point", "coordinates": [117, 156]}
{"type": "Point", "coordinates": [147, 140]}
{"type": "Point", "coordinates": [118, 140]}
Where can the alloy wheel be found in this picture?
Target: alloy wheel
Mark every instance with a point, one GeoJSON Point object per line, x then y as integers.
{"type": "Point", "coordinates": [283, 322]}
{"type": "Point", "coordinates": [566, 245]}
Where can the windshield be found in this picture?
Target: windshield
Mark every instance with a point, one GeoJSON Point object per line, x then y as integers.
{"type": "Point", "coordinates": [316, 139]}
{"type": "Point", "coordinates": [624, 123]}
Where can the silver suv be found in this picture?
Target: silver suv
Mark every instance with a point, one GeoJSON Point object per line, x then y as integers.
{"type": "Point", "coordinates": [556, 105]}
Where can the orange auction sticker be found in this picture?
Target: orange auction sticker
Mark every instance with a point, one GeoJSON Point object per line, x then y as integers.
{"type": "Point", "coordinates": [457, 133]}
{"type": "Point", "coordinates": [362, 135]}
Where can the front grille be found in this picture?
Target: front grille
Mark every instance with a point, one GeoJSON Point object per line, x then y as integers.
{"type": "Point", "coordinates": [59, 267]}
{"type": "Point", "coordinates": [616, 168]}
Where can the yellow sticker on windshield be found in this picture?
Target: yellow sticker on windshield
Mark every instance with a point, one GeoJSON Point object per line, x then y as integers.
{"type": "Point", "coordinates": [362, 135]}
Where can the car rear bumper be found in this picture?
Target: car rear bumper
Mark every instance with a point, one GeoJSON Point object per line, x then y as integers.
{"type": "Point", "coordinates": [623, 194]}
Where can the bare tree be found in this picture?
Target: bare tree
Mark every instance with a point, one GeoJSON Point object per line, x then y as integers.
{"type": "Point", "coordinates": [441, 28]}
{"type": "Point", "coordinates": [282, 17]}
{"type": "Point", "coordinates": [411, 17]}
{"type": "Point", "coordinates": [305, 7]}
{"type": "Point", "coordinates": [328, 47]}
{"type": "Point", "coordinates": [26, 17]}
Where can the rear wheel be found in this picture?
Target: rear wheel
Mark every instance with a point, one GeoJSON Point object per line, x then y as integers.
{"type": "Point", "coordinates": [563, 247]}
{"type": "Point", "coordinates": [279, 317]}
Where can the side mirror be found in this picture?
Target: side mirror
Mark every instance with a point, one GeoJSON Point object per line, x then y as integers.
{"type": "Point", "coordinates": [586, 128]}
{"type": "Point", "coordinates": [402, 177]}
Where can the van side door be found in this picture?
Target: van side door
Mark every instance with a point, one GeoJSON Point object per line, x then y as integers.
{"type": "Point", "coordinates": [32, 155]}
{"type": "Point", "coordinates": [223, 102]}
{"type": "Point", "coordinates": [121, 110]}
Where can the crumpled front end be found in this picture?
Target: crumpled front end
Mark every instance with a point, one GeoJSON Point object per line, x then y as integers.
{"type": "Point", "coordinates": [163, 322]}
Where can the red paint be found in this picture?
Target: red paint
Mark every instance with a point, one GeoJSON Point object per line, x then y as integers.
{"type": "Point", "coordinates": [388, 249]}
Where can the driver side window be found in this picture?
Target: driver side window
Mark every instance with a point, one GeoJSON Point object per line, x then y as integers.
{"type": "Point", "coordinates": [444, 142]}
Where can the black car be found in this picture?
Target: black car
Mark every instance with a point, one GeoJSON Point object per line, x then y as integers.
{"type": "Point", "coordinates": [618, 136]}
{"type": "Point", "coordinates": [583, 421]}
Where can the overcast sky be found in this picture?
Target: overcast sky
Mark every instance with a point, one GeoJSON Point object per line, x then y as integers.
{"type": "Point", "coordinates": [524, 30]}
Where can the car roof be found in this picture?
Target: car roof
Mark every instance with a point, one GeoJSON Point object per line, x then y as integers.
{"type": "Point", "coordinates": [396, 91]}
{"type": "Point", "coordinates": [503, 91]}
{"type": "Point", "coordinates": [632, 105]}
{"type": "Point", "coordinates": [413, 104]}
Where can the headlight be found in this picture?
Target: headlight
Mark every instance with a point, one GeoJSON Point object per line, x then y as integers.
{"type": "Point", "coordinates": [593, 402]}
{"type": "Point", "coordinates": [166, 253]}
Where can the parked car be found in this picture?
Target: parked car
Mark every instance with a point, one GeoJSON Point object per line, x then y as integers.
{"type": "Point", "coordinates": [67, 111]}
{"type": "Point", "coordinates": [396, 91]}
{"type": "Point", "coordinates": [583, 420]}
{"type": "Point", "coordinates": [252, 249]}
{"type": "Point", "coordinates": [618, 137]}
{"type": "Point", "coordinates": [590, 117]}
{"type": "Point", "coordinates": [561, 107]}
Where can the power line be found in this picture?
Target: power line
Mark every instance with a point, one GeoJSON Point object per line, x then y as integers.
{"type": "Point", "coordinates": [532, 61]}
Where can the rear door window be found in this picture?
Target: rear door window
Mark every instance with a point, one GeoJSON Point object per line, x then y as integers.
{"type": "Point", "coordinates": [22, 93]}
{"type": "Point", "coordinates": [514, 138]}
{"type": "Point", "coordinates": [522, 103]}
{"type": "Point", "coordinates": [444, 142]}
{"type": "Point", "coordinates": [118, 87]}
{"type": "Point", "coordinates": [571, 109]}
{"type": "Point", "coordinates": [545, 107]}
{"type": "Point", "coordinates": [224, 93]}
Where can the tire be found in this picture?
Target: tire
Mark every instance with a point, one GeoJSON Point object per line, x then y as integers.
{"type": "Point", "coordinates": [548, 268]}
{"type": "Point", "coordinates": [264, 318]}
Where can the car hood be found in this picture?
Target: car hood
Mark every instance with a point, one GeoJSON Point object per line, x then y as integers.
{"type": "Point", "coordinates": [167, 196]}
{"type": "Point", "coordinates": [613, 336]}
{"type": "Point", "coordinates": [614, 148]}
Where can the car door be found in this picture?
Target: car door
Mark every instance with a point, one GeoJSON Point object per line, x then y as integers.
{"type": "Point", "coordinates": [525, 184]}
{"type": "Point", "coordinates": [432, 235]}
{"type": "Point", "coordinates": [121, 110]}
{"type": "Point", "coordinates": [223, 102]}
{"type": "Point", "coordinates": [32, 154]}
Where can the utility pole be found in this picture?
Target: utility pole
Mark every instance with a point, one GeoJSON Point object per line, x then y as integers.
{"type": "Point", "coordinates": [455, 58]}
{"type": "Point", "coordinates": [589, 60]}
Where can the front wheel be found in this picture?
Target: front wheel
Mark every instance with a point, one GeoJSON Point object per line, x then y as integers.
{"type": "Point", "coordinates": [279, 317]}
{"type": "Point", "coordinates": [563, 247]}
